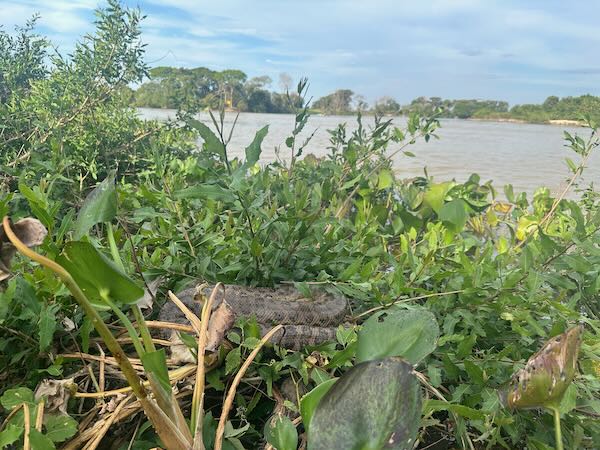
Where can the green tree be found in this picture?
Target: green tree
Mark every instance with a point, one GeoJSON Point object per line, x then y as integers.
{"type": "Point", "coordinates": [338, 102]}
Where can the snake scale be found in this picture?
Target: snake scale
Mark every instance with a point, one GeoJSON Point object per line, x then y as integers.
{"type": "Point", "coordinates": [306, 321]}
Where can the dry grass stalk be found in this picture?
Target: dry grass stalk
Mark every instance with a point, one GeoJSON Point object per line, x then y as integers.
{"type": "Point", "coordinates": [236, 381]}
{"type": "Point", "coordinates": [27, 418]}
{"type": "Point", "coordinates": [193, 318]}
{"type": "Point", "coordinates": [92, 445]}
{"type": "Point", "coordinates": [198, 398]}
{"type": "Point", "coordinates": [39, 416]}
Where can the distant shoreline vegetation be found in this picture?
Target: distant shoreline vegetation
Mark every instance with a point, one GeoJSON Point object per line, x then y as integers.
{"type": "Point", "coordinates": [202, 88]}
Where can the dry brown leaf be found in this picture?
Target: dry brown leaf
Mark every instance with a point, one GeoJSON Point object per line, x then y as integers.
{"type": "Point", "coordinates": [147, 300]}
{"type": "Point", "coordinates": [110, 406]}
{"type": "Point", "coordinates": [221, 321]}
{"type": "Point", "coordinates": [30, 231]}
{"type": "Point", "coordinates": [56, 394]}
{"type": "Point", "coordinates": [180, 353]}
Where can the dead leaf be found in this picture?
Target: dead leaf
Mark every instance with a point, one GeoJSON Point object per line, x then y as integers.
{"type": "Point", "coordinates": [56, 394]}
{"type": "Point", "coordinates": [180, 353]}
{"type": "Point", "coordinates": [68, 324]}
{"type": "Point", "coordinates": [221, 321]}
{"type": "Point", "coordinates": [110, 406]}
{"type": "Point", "coordinates": [147, 300]}
{"type": "Point", "coordinates": [30, 231]}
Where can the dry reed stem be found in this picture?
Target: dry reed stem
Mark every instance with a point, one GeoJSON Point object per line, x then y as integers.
{"type": "Point", "coordinates": [174, 376]}
{"type": "Point", "coordinates": [26, 444]}
{"type": "Point", "coordinates": [39, 416]}
{"type": "Point", "coordinates": [193, 318]}
{"type": "Point", "coordinates": [169, 325]}
{"type": "Point", "coordinates": [236, 381]}
{"type": "Point", "coordinates": [198, 397]}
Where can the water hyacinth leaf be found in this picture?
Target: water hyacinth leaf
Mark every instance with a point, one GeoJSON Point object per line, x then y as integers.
{"type": "Point", "coordinates": [310, 401]}
{"type": "Point", "coordinates": [97, 276]}
{"type": "Point", "coordinates": [281, 433]}
{"type": "Point", "coordinates": [99, 206]}
{"type": "Point", "coordinates": [395, 385]}
{"type": "Point", "coordinates": [547, 374]}
{"type": "Point", "coordinates": [410, 334]}
{"type": "Point", "coordinates": [375, 405]}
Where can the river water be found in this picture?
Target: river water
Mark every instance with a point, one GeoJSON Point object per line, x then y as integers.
{"type": "Point", "coordinates": [525, 155]}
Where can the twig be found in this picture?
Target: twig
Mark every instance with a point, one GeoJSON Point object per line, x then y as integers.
{"type": "Point", "coordinates": [111, 419]}
{"type": "Point", "coordinates": [27, 418]}
{"type": "Point", "coordinates": [236, 381]}
{"type": "Point", "coordinates": [405, 300]}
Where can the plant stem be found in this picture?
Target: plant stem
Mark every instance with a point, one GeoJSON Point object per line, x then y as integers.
{"type": "Point", "coordinates": [557, 430]}
{"type": "Point", "coordinates": [141, 323]}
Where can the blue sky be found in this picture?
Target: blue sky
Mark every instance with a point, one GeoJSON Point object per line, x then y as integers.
{"type": "Point", "coordinates": [520, 51]}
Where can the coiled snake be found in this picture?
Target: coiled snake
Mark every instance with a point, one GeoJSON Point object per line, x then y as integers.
{"type": "Point", "coordinates": [306, 321]}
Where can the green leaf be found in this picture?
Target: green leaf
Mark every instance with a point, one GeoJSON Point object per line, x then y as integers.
{"type": "Point", "coordinates": [374, 405]}
{"type": "Point", "coordinates": [461, 410]}
{"type": "Point", "coordinates": [233, 360]}
{"type": "Point", "coordinates": [208, 191]}
{"type": "Point", "coordinates": [253, 150]}
{"type": "Point", "coordinates": [410, 334]}
{"type": "Point", "coordinates": [39, 441]}
{"type": "Point", "coordinates": [10, 435]}
{"type": "Point", "coordinates": [97, 276]}
{"type": "Point", "coordinates": [454, 213]}
{"type": "Point", "coordinates": [435, 196]}
{"type": "Point", "coordinates": [156, 363]}
{"type": "Point", "coordinates": [385, 179]}
{"type": "Point", "coordinates": [99, 206]}
{"type": "Point", "coordinates": [59, 428]}
{"type": "Point", "coordinates": [281, 433]}
{"type": "Point", "coordinates": [309, 402]}
{"type": "Point", "coordinates": [14, 397]}
{"type": "Point", "coordinates": [47, 326]}
{"type": "Point", "coordinates": [212, 144]}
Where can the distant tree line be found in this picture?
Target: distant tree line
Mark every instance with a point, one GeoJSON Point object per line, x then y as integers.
{"type": "Point", "coordinates": [201, 88]}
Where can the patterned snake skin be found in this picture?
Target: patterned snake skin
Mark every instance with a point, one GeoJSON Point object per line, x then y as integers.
{"type": "Point", "coordinates": [307, 321]}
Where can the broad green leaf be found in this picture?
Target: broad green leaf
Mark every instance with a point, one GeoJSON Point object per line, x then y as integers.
{"type": "Point", "coordinates": [39, 441]}
{"type": "Point", "coordinates": [281, 433]}
{"type": "Point", "coordinates": [212, 144]}
{"type": "Point", "coordinates": [10, 435]}
{"type": "Point", "coordinates": [374, 405]}
{"type": "Point", "coordinates": [16, 396]}
{"type": "Point", "coordinates": [434, 196]}
{"type": "Point", "coordinates": [99, 206]}
{"type": "Point", "coordinates": [253, 150]}
{"type": "Point", "coordinates": [47, 326]}
{"type": "Point", "coordinates": [156, 364]}
{"type": "Point", "coordinates": [454, 213]}
{"type": "Point", "coordinates": [59, 428]}
{"type": "Point", "coordinates": [385, 179]}
{"type": "Point", "coordinates": [309, 402]}
{"type": "Point", "coordinates": [97, 276]}
{"type": "Point", "coordinates": [411, 334]}
{"type": "Point", "coordinates": [208, 191]}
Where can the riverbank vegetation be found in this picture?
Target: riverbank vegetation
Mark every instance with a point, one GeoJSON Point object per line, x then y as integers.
{"type": "Point", "coordinates": [464, 283]}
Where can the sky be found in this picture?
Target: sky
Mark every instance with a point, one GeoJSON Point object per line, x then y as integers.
{"type": "Point", "coordinates": [515, 50]}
